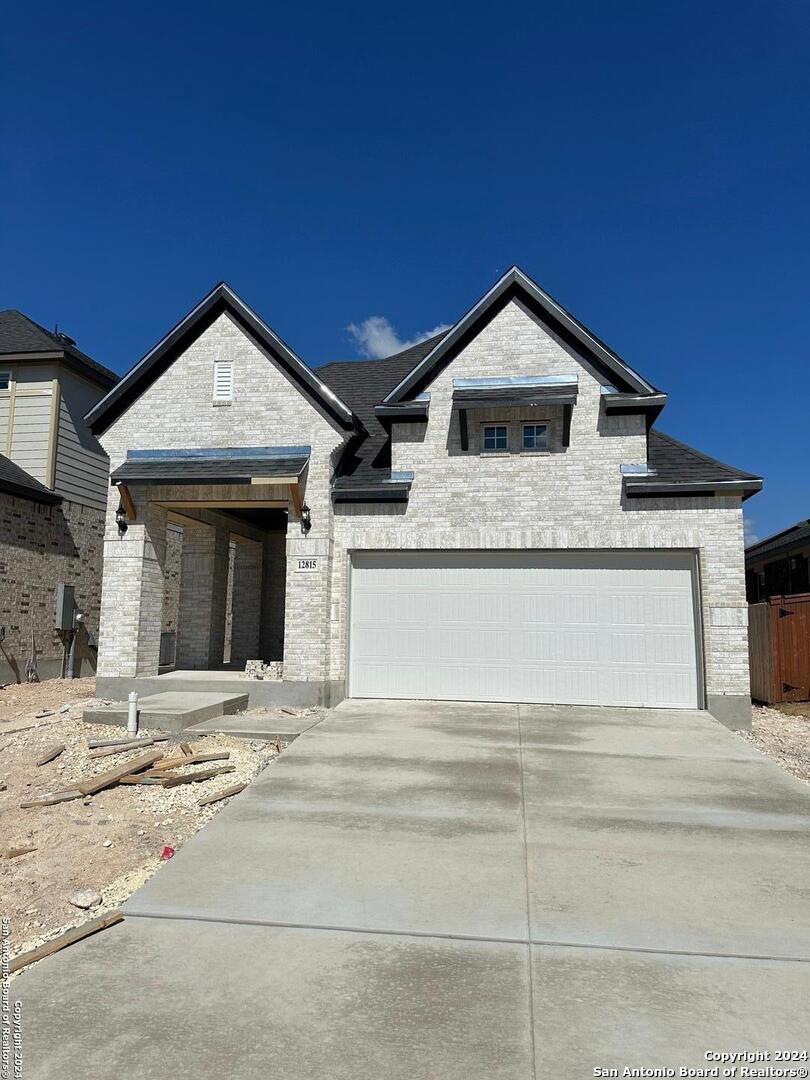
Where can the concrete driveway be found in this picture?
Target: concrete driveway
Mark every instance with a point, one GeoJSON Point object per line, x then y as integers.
{"type": "Point", "coordinates": [441, 891]}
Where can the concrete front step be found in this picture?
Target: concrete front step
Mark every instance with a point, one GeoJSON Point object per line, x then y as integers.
{"type": "Point", "coordinates": [272, 728]}
{"type": "Point", "coordinates": [170, 711]}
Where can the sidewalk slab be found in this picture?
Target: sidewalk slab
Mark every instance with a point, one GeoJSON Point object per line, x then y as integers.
{"type": "Point", "coordinates": [186, 1000]}
{"type": "Point", "coordinates": [609, 1009]}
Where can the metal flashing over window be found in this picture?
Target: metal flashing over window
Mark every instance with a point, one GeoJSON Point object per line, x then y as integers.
{"type": "Point", "coordinates": [516, 390]}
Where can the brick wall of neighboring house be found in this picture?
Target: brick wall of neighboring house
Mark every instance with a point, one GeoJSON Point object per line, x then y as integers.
{"type": "Point", "coordinates": [40, 546]}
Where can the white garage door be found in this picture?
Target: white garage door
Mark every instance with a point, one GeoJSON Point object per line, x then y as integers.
{"type": "Point", "coordinates": [588, 628]}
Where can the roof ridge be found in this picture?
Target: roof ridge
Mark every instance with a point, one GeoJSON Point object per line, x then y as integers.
{"type": "Point", "coordinates": [381, 359]}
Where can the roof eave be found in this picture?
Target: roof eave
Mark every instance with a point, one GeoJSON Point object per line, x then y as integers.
{"type": "Point", "coordinates": [744, 486]}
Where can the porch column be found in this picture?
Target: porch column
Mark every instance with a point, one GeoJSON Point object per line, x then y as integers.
{"type": "Point", "coordinates": [274, 588]}
{"type": "Point", "coordinates": [247, 601]}
{"type": "Point", "coordinates": [203, 591]}
{"type": "Point", "coordinates": [308, 622]}
{"type": "Point", "coordinates": [132, 592]}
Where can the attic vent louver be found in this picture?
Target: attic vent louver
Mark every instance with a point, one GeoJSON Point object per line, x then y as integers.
{"type": "Point", "coordinates": [223, 380]}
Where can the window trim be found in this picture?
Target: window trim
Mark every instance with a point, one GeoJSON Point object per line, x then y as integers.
{"type": "Point", "coordinates": [534, 424]}
{"type": "Point", "coordinates": [217, 397]}
{"type": "Point", "coordinates": [10, 373]}
{"type": "Point", "coordinates": [494, 449]}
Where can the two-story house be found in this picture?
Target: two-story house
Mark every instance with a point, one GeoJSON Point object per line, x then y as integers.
{"type": "Point", "coordinates": [491, 515]}
{"type": "Point", "coordinates": [54, 483]}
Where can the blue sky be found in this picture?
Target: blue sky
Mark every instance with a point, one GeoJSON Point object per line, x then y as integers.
{"type": "Point", "coordinates": [647, 163]}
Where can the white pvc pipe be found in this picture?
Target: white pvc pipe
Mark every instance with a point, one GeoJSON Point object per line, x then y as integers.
{"type": "Point", "coordinates": [132, 714]}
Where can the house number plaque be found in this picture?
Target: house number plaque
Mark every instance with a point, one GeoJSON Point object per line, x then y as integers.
{"type": "Point", "coordinates": [306, 566]}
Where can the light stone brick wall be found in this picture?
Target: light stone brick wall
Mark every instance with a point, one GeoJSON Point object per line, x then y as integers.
{"type": "Point", "coordinates": [247, 602]}
{"type": "Point", "coordinates": [555, 500]}
{"type": "Point", "coordinates": [176, 411]}
{"type": "Point", "coordinates": [562, 499]}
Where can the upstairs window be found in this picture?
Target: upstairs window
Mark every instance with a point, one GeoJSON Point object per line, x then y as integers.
{"type": "Point", "coordinates": [5, 380]}
{"type": "Point", "coordinates": [535, 436]}
{"type": "Point", "coordinates": [223, 380]}
{"type": "Point", "coordinates": [494, 437]}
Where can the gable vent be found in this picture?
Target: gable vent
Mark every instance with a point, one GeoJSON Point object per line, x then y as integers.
{"type": "Point", "coordinates": [223, 380]}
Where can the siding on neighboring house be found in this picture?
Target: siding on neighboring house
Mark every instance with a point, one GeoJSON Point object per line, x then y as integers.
{"type": "Point", "coordinates": [32, 399]}
{"type": "Point", "coordinates": [82, 469]}
{"type": "Point", "coordinates": [4, 402]}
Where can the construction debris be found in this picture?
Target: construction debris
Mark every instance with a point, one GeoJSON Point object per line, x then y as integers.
{"type": "Point", "coordinates": [120, 748]}
{"type": "Point", "coordinates": [85, 898]}
{"type": "Point", "coordinates": [62, 942]}
{"type": "Point", "coordinates": [15, 852]}
{"type": "Point", "coordinates": [226, 793]}
{"type": "Point", "coordinates": [196, 777]}
{"type": "Point", "coordinates": [51, 754]}
{"type": "Point", "coordinates": [93, 744]}
{"type": "Point", "coordinates": [106, 779]}
{"type": "Point", "coordinates": [52, 798]}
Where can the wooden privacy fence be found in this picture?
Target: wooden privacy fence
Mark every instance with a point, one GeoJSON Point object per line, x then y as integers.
{"type": "Point", "coordinates": [779, 648]}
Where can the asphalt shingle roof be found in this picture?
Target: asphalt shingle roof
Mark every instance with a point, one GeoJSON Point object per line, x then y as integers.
{"type": "Point", "coordinates": [674, 461]}
{"type": "Point", "coordinates": [21, 335]}
{"type": "Point", "coordinates": [16, 481]}
{"type": "Point", "coordinates": [224, 470]}
{"type": "Point", "coordinates": [797, 535]}
{"type": "Point", "coordinates": [362, 384]}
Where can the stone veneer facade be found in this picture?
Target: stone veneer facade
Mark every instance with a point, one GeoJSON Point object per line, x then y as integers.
{"type": "Point", "coordinates": [553, 500]}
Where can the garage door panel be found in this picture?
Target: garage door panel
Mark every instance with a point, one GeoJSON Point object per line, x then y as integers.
{"type": "Point", "coordinates": [612, 628]}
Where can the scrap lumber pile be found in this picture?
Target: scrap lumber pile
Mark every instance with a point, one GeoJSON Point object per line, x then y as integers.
{"type": "Point", "coordinates": [156, 766]}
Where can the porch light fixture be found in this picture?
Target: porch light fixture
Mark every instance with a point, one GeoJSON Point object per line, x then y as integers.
{"type": "Point", "coordinates": [121, 519]}
{"type": "Point", "coordinates": [306, 519]}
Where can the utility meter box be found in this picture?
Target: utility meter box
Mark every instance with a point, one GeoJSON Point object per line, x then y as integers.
{"type": "Point", "coordinates": [65, 607]}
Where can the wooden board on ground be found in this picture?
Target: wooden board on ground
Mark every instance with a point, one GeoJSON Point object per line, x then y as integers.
{"type": "Point", "coordinates": [195, 759]}
{"type": "Point", "coordinates": [61, 942]}
{"type": "Point", "coordinates": [194, 778]}
{"type": "Point", "coordinates": [94, 744]}
{"type": "Point", "coordinates": [226, 793]}
{"type": "Point", "coordinates": [120, 748]}
{"type": "Point", "coordinates": [112, 776]}
{"type": "Point", "coordinates": [52, 798]}
{"type": "Point", "coordinates": [51, 754]}
{"type": "Point", "coordinates": [15, 852]}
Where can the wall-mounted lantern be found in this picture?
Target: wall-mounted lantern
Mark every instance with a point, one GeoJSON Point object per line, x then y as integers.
{"type": "Point", "coordinates": [121, 519]}
{"type": "Point", "coordinates": [306, 519]}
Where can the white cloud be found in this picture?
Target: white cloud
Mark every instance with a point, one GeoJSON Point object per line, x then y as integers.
{"type": "Point", "coordinates": [375, 337]}
{"type": "Point", "coordinates": [748, 531]}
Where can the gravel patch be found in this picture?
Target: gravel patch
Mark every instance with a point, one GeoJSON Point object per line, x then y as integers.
{"type": "Point", "coordinates": [783, 736]}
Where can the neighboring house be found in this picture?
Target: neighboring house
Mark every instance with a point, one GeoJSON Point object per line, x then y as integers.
{"type": "Point", "coordinates": [54, 479]}
{"type": "Point", "coordinates": [780, 564]}
{"type": "Point", "coordinates": [489, 515]}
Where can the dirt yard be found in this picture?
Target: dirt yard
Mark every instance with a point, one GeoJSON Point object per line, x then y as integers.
{"type": "Point", "coordinates": [110, 843]}
{"type": "Point", "coordinates": [783, 733]}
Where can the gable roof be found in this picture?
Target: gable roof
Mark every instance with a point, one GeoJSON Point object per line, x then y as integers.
{"type": "Point", "coordinates": [16, 481]}
{"type": "Point", "coordinates": [20, 335]}
{"type": "Point", "coordinates": [367, 462]}
{"type": "Point", "coordinates": [797, 535]}
{"type": "Point", "coordinates": [220, 299]}
{"type": "Point", "coordinates": [516, 285]}
{"type": "Point", "coordinates": [364, 383]}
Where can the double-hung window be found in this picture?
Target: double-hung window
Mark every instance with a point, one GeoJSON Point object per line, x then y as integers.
{"type": "Point", "coordinates": [5, 380]}
{"type": "Point", "coordinates": [535, 436]}
{"type": "Point", "coordinates": [494, 437]}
